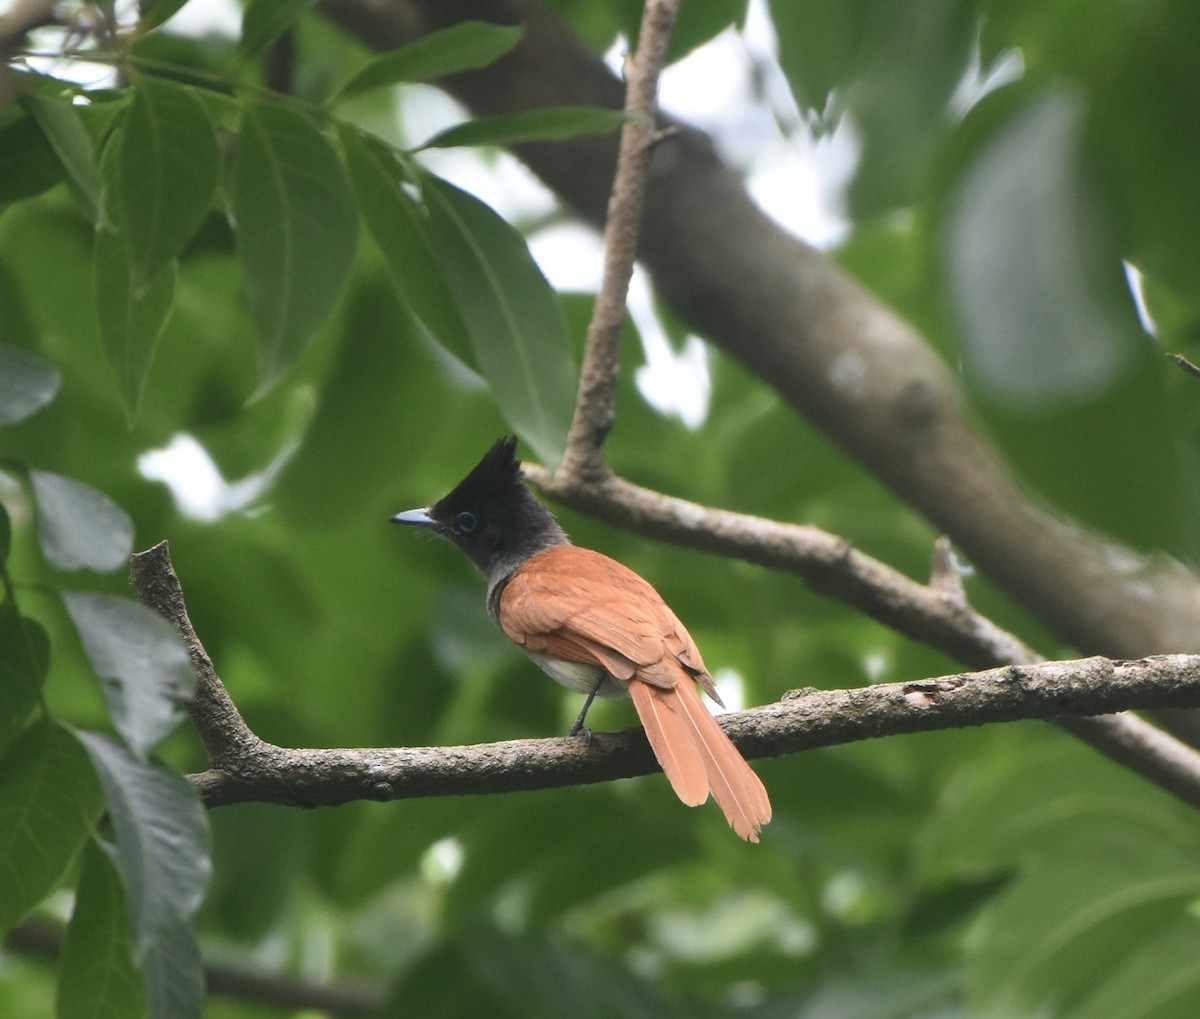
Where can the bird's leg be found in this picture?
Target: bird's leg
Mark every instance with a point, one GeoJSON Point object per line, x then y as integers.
{"type": "Point", "coordinates": [577, 727]}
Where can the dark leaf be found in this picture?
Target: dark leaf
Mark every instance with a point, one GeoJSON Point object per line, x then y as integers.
{"type": "Point", "coordinates": [131, 317]}
{"type": "Point", "coordinates": [48, 801]}
{"type": "Point", "coordinates": [63, 127]}
{"type": "Point", "coordinates": [24, 659]}
{"type": "Point", "coordinates": [398, 223]}
{"type": "Point", "coordinates": [157, 12]}
{"type": "Point", "coordinates": [466, 46]}
{"type": "Point", "coordinates": [97, 977]}
{"type": "Point", "coordinates": [163, 176]}
{"type": "Point", "coordinates": [548, 124]}
{"type": "Point", "coordinates": [517, 329]}
{"type": "Point", "coordinates": [296, 227]}
{"type": "Point", "coordinates": [28, 165]}
{"type": "Point", "coordinates": [162, 857]}
{"type": "Point", "coordinates": [263, 21]}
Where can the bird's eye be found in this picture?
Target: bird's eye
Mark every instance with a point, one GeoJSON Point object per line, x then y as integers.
{"type": "Point", "coordinates": [465, 522]}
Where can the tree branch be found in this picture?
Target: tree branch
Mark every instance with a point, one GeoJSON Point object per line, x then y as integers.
{"type": "Point", "coordinates": [803, 720]}
{"type": "Point", "coordinates": [841, 359]}
{"type": "Point", "coordinates": [245, 768]}
{"type": "Point", "coordinates": [830, 349]}
{"type": "Point", "coordinates": [594, 411]}
{"type": "Point", "coordinates": [216, 719]}
{"type": "Point", "coordinates": [21, 19]}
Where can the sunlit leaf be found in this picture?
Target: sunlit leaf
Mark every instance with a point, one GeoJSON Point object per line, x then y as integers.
{"type": "Point", "coordinates": [466, 46]}
{"type": "Point", "coordinates": [27, 383]}
{"type": "Point", "coordinates": [265, 20]}
{"type": "Point", "coordinates": [163, 176]}
{"type": "Point", "coordinates": [517, 329]}
{"type": "Point", "coordinates": [398, 223]}
{"type": "Point", "coordinates": [162, 856]}
{"type": "Point", "coordinates": [547, 124]}
{"type": "Point", "coordinates": [296, 230]}
{"type": "Point", "coordinates": [97, 977]}
{"type": "Point", "coordinates": [80, 527]}
{"type": "Point", "coordinates": [145, 672]}
{"type": "Point", "coordinates": [48, 799]}
{"type": "Point", "coordinates": [24, 659]}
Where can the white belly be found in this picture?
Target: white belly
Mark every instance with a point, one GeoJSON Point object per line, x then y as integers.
{"type": "Point", "coordinates": [578, 676]}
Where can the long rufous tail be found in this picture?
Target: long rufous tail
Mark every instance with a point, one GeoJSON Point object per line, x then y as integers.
{"type": "Point", "coordinates": [698, 758]}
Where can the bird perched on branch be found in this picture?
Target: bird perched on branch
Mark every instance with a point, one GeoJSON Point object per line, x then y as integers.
{"type": "Point", "coordinates": [596, 627]}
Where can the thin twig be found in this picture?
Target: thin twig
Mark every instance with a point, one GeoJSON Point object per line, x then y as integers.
{"type": "Point", "coordinates": [1184, 363]}
{"type": "Point", "coordinates": [594, 411]}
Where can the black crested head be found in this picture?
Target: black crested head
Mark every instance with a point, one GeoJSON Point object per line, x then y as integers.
{"type": "Point", "coordinates": [492, 516]}
{"type": "Point", "coordinates": [497, 476]}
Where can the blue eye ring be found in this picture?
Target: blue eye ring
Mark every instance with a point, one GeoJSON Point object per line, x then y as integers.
{"type": "Point", "coordinates": [465, 522]}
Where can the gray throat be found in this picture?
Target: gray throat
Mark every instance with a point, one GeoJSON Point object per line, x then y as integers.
{"type": "Point", "coordinates": [504, 565]}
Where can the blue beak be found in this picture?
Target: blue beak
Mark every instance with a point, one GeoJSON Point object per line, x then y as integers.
{"type": "Point", "coordinates": [419, 517]}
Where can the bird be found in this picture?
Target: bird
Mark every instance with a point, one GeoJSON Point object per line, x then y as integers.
{"type": "Point", "coordinates": [596, 627]}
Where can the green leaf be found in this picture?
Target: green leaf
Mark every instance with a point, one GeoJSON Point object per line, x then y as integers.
{"type": "Point", "coordinates": [157, 12]}
{"type": "Point", "coordinates": [147, 676]}
{"type": "Point", "coordinates": [162, 857]}
{"type": "Point", "coordinates": [517, 328]}
{"type": "Point", "coordinates": [174, 970]}
{"type": "Point", "coordinates": [131, 317]}
{"type": "Point", "coordinates": [1064, 929]}
{"type": "Point", "coordinates": [27, 383]}
{"type": "Point", "coordinates": [24, 660]}
{"type": "Point", "coordinates": [1157, 979]}
{"type": "Point", "coordinates": [78, 526]}
{"type": "Point", "coordinates": [48, 799]}
{"type": "Point", "coordinates": [63, 127]}
{"type": "Point", "coordinates": [97, 977]}
{"type": "Point", "coordinates": [164, 175]}
{"type": "Point", "coordinates": [263, 21]}
{"type": "Point", "coordinates": [398, 224]}
{"type": "Point", "coordinates": [466, 46]}
{"type": "Point", "coordinates": [553, 123]}
{"type": "Point", "coordinates": [296, 227]}
{"type": "Point", "coordinates": [27, 162]}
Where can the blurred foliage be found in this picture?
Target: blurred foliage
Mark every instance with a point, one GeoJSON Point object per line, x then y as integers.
{"type": "Point", "coordinates": [278, 278]}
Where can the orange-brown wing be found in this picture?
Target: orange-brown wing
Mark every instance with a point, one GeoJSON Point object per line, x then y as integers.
{"type": "Point", "coordinates": [577, 605]}
{"type": "Point", "coordinates": [581, 606]}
